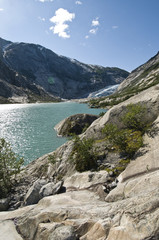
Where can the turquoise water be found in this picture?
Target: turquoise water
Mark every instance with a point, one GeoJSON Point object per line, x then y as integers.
{"type": "Point", "coordinates": [30, 127]}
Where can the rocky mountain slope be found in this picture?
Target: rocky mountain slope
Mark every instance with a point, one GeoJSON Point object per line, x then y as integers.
{"type": "Point", "coordinates": [141, 78]}
{"type": "Point", "coordinates": [37, 71]}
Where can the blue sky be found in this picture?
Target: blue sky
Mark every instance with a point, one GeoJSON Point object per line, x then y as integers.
{"type": "Point", "coordinates": [114, 33]}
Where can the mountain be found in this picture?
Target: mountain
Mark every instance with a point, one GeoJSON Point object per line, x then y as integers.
{"type": "Point", "coordinates": [140, 79]}
{"type": "Point", "coordinates": [37, 72]}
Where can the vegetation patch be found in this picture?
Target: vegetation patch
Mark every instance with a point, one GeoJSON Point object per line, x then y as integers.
{"type": "Point", "coordinates": [84, 155]}
{"type": "Point", "coordinates": [52, 158]}
{"type": "Point", "coordinates": [129, 139]}
{"type": "Point", "coordinates": [10, 166]}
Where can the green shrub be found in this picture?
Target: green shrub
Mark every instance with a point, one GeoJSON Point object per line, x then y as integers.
{"type": "Point", "coordinates": [84, 155]}
{"type": "Point", "coordinates": [134, 117]}
{"type": "Point", "coordinates": [125, 140]}
{"type": "Point", "coordinates": [52, 158]}
{"type": "Point", "coordinates": [129, 139]}
{"type": "Point", "coordinates": [101, 114]}
{"type": "Point", "coordinates": [10, 165]}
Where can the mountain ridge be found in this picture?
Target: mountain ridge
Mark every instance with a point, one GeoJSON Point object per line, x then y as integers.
{"type": "Point", "coordinates": [55, 75]}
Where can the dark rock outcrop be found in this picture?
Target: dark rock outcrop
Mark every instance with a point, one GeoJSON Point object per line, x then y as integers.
{"type": "Point", "coordinates": [75, 124]}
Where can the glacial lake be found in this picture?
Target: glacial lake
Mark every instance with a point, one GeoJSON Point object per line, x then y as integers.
{"type": "Point", "coordinates": [29, 128]}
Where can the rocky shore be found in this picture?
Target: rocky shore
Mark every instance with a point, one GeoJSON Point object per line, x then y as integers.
{"type": "Point", "coordinates": [54, 201]}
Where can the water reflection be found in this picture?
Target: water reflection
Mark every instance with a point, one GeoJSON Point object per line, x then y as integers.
{"type": "Point", "coordinates": [30, 127]}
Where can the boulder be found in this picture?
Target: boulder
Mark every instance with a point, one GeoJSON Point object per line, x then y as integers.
{"type": "Point", "coordinates": [75, 124]}
{"type": "Point", "coordinates": [33, 194]}
{"type": "Point", "coordinates": [50, 189]}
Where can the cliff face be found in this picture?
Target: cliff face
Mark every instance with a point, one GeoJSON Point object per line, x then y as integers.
{"type": "Point", "coordinates": [55, 75]}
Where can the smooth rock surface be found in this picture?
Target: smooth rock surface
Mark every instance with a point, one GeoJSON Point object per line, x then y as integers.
{"type": "Point", "coordinates": [8, 231]}
{"type": "Point", "coordinates": [85, 180]}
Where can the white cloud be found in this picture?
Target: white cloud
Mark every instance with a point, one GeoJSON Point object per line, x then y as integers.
{"type": "Point", "coordinates": [61, 16]}
{"type": "Point", "coordinates": [1, 9]}
{"type": "Point", "coordinates": [95, 22]}
{"type": "Point", "coordinates": [46, 1]}
{"type": "Point", "coordinates": [115, 27]}
{"type": "Point", "coordinates": [93, 30]}
{"type": "Point", "coordinates": [86, 37]}
{"type": "Point", "coordinates": [41, 19]}
{"type": "Point", "coordinates": [78, 2]}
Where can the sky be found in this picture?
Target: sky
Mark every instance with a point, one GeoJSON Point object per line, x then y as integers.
{"type": "Point", "coordinates": [113, 33]}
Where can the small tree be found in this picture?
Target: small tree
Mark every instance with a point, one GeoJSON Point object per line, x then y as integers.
{"type": "Point", "coordinates": [10, 165]}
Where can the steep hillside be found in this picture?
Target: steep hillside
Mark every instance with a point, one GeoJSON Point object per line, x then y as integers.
{"type": "Point", "coordinates": [141, 78]}
{"type": "Point", "coordinates": [14, 87]}
{"type": "Point", "coordinates": [55, 75]}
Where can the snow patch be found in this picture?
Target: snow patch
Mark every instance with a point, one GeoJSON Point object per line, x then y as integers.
{"type": "Point", "coordinates": [104, 91]}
